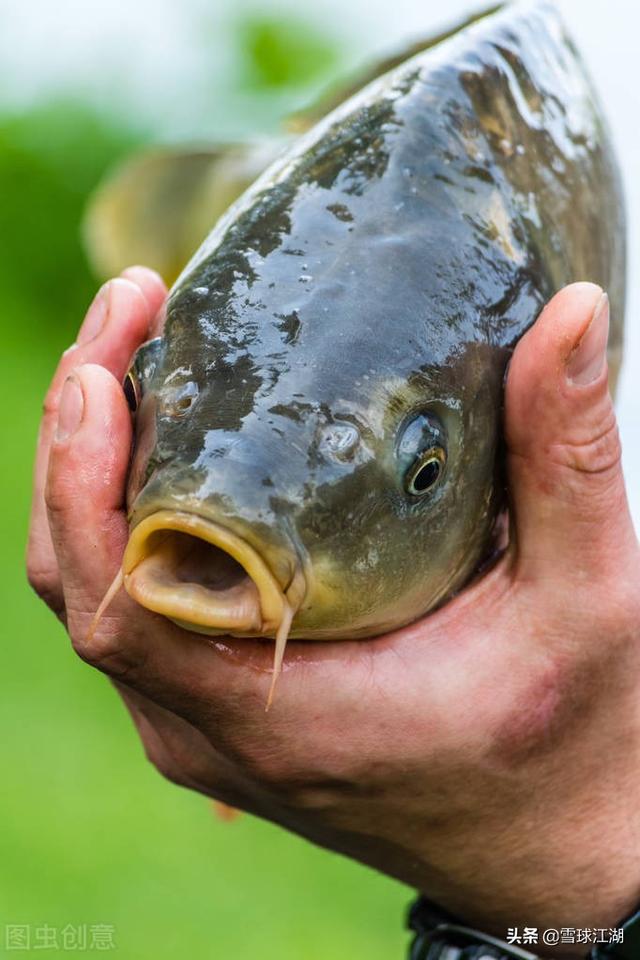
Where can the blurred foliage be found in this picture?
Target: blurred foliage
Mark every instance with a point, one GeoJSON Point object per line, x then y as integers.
{"type": "Point", "coordinates": [90, 833]}
{"type": "Point", "coordinates": [283, 52]}
{"type": "Point", "coordinates": [50, 159]}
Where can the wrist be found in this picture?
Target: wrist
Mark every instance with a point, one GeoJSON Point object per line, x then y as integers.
{"type": "Point", "coordinates": [573, 878]}
{"type": "Point", "coordinates": [439, 935]}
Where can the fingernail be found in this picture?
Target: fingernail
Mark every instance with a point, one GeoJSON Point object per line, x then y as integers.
{"type": "Point", "coordinates": [587, 360]}
{"type": "Point", "coordinates": [96, 316]}
{"type": "Point", "coordinates": [70, 410]}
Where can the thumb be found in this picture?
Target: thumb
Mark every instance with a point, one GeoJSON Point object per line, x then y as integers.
{"type": "Point", "coordinates": [563, 450]}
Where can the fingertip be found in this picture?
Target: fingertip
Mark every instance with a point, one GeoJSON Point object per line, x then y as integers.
{"type": "Point", "coordinates": [567, 315]}
{"type": "Point", "coordinates": [150, 283]}
{"type": "Point", "coordinates": [127, 297]}
{"type": "Point", "coordinates": [144, 276]}
{"type": "Point", "coordinates": [539, 378]}
{"type": "Point", "coordinates": [561, 323]}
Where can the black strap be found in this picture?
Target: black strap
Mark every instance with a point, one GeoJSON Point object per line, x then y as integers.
{"type": "Point", "coordinates": [629, 949]}
{"type": "Point", "coordinates": [440, 936]}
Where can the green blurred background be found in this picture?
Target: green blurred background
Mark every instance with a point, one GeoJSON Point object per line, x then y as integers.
{"type": "Point", "coordinates": [89, 833]}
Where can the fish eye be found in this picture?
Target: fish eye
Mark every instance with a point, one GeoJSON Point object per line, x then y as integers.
{"type": "Point", "coordinates": [131, 389]}
{"type": "Point", "coordinates": [422, 453]}
{"type": "Point", "coordinates": [424, 474]}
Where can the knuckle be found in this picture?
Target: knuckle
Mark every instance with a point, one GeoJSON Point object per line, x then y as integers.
{"type": "Point", "coordinates": [57, 497]}
{"type": "Point", "coordinates": [106, 652]}
{"type": "Point", "coordinates": [165, 765]}
{"type": "Point", "coordinates": [197, 773]}
{"type": "Point", "coordinates": [45, 581]}
{"type": "Point", "coordinates": [46, 584]}
{"type": "Point", "coordinates": [593, 454]}
{"type": "Point", "coordinates": [191, 755]}
{"type": "Point", "coordinates": [50, 403]}
{"type": "Point", "coordinates": [155, 749]}
{"type": "Point", "coordinates": [171, 771]}
{"type": "Point", "coordinates": [180, 763]}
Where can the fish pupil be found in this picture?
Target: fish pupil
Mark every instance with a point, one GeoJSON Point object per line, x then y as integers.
{"type": "Point", "coordinates": [130, 393]}
{"type": "Point", "coordinates": [426, 475]}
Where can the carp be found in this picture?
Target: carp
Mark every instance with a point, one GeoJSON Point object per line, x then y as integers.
{"type": "Point", "coordinates": [318, 427]}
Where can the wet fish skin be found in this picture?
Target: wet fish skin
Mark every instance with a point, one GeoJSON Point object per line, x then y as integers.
{"type": "Point", "coordinates": [384, 270]}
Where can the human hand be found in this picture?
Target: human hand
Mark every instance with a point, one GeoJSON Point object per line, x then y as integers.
{"type": "Point", "coordinates": [488, 754]}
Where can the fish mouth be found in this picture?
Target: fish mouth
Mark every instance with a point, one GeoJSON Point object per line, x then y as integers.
{"type": "Point", "coordinates": [204, 577]}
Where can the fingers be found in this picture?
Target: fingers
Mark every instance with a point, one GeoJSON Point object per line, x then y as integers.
{"type": "Point", "coordinates": [151, 284]}
{"type": "Point", "coordinates": [568, 496]}
{"type": "Point", "coordinates": [117, 322]}
{"type": "Point", "coordinates": [86, 480]}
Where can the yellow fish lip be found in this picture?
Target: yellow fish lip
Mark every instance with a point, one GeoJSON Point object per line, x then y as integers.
{"type": "Point", "coordinates": [170, 568]}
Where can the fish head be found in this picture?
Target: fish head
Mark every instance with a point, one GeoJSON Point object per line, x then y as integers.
{"type": "Point", "coordinates": [350, 494]}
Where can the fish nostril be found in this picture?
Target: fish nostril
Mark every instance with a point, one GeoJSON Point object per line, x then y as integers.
{"type": "Point", "coordinates": [340, 441]}
{"type": "Point", "coordinates": [176, 400]}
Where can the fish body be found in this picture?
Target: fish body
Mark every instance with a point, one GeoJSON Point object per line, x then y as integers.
{"type": "Point", "coordinates": [319, 425]}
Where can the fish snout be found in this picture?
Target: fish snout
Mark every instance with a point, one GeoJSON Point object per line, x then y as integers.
{"type": "Point", "coordinates": [206, 577]}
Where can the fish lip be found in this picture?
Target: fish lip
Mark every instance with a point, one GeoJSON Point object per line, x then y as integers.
{"type": "Point", "coordinates": [262, 618]}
